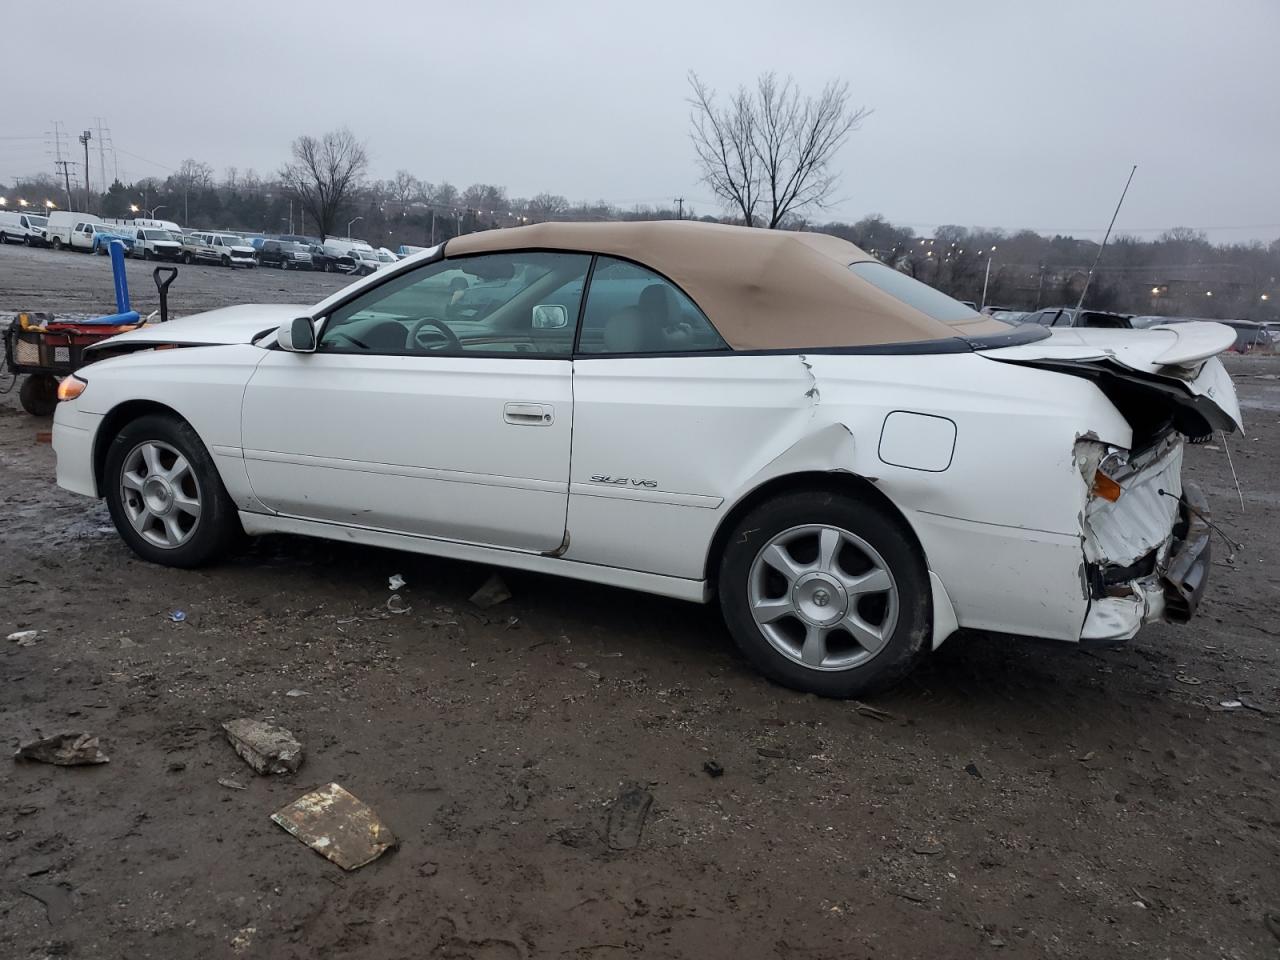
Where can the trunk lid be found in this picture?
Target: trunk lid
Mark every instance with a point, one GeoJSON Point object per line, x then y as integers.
{"type": "Point", "coordinates": [1175, 364]}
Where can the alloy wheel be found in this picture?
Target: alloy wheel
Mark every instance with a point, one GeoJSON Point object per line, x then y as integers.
{"type": "Point", "coordinates": [160, 494]}
{"type": "Point", "coordinates": [823, 597]}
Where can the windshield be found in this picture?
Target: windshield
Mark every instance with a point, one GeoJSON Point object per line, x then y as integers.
{"type": "Point", "coordinates": [38, 221]}
{"type": "Point", "coordinates": [932, 303]}
{"type": "Point", "coordinates": [365, 254]}
{"type": "Point", "coordinates": [230, 241]}
{"type": "Point", "coordinates": [156, 235]}
{"type": "Point", "coordinates": [291, 247]}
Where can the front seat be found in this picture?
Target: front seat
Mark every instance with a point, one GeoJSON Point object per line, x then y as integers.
{"type": "Point", "coordinates": [624, 332]}
{"type": "Point", "coordinates": [659, 308]}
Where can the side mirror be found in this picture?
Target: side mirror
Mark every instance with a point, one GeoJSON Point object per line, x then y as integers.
{"type": "Point", "coordinates": [550, 316]}
{"type": "Point", "coordinates": [297, 336]}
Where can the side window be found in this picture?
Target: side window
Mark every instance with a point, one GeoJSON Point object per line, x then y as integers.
{"type": "Point", "coordinates": [503, 303]}
{"type": "Point", "coordinates": [631, 309]}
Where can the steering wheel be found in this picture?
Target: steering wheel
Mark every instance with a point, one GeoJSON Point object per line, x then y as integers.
{"type": "Point", "coordinates": [451, 340]}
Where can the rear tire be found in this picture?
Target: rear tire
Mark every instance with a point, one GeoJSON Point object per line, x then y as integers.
{"type": "Point", "coordinates": [39, 395]}
{"type": "Point", "coordinates": [852, 615]}
{"type": "Point", "coordinates": [165, 495]}
{"type": "Point", "coordinates": [57, 243]}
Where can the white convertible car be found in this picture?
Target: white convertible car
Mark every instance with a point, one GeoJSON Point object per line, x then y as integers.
{"type": "Point", "coordinates": [851, 463]}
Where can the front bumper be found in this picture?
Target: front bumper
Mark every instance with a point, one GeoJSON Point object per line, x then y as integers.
{"type": "Point", "coordinates": [74, 431]}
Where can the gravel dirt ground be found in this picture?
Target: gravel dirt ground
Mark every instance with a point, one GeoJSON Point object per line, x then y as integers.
{"type": "Point", "coordinates": [1014, 799]}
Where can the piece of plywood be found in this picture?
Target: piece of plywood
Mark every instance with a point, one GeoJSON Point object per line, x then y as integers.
{"type": "Point", "coordinates": [337, 825]}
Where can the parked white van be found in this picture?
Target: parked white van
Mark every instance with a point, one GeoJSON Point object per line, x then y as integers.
{"type": "Point", "coordinates": [159, 225]}
{"type": "Point", "coordinates": [18, 227]}
{"type": "Point", "coordinates": [337, 247]}
{"type": "Point", "coordinates": [62, 224]}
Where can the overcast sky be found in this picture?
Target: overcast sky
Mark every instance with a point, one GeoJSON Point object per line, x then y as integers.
{"type": "Point", "coordinates": [993, 113]}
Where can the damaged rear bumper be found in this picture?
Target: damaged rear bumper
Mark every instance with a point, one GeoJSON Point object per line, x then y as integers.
{"type": "Point", "coordinates": [1171, 592]}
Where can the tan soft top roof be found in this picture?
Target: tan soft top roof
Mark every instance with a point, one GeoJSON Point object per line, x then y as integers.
{"type": "Point", "coordinates": [763, 289]}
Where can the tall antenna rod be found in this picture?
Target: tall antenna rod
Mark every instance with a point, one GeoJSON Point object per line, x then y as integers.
{"type": "Point", "coordinates": [1088, 279]}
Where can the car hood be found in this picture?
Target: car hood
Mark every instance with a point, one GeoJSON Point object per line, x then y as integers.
{"type": "Point", "coordinates": [1177, 361]}
{"type": "Point", "coordinates": [238, 324]}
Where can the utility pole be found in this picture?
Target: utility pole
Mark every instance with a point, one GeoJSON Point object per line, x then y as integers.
{"type": "Point", "coordinates": [679, 208]}
{"type": "Point", "coordinates": [102, 155]}
{"type": "Point", "coordinates": [64, 166]}
{"type": "Point", "coordinates": [85, 138]}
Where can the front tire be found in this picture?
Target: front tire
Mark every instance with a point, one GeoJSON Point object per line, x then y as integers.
{"type": "Point", "coordinates": [827, 593]}
{"type": "Point", "coordinates": [165, 496]}
{"type": "Point", "coordinates": [187, 259]}
{"type": "Point", "coordinates": [226, 261]}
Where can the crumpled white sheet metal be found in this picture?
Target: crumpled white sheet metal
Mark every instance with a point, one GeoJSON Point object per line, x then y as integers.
{"type": "Point", "coordinates": [1143, 518]}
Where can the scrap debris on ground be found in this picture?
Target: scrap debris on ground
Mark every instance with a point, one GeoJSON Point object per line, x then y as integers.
{"type": "Point", "coordinates": [338, 826]}
{"type": "Point", "coordinates": [64, 750]}
{"type": "Point", "coordinates": [264, 746]}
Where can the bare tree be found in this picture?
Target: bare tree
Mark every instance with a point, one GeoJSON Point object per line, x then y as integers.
{"type": "Point", "coordinates": [768, 154]}
{"type": "Point", "coordinates": [405, 188]}
{"type": "Point", "coordinates": [443, 195]}
{"type": "Point", "coordinates": [324, 173]}
{"type": "Point", "coordinates": [546, 206]}
{"type": "Point", "coordinates": [192, 175]}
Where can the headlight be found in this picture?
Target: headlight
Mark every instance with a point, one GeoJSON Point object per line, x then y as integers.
{"type": "Point", "coordinates": [71, 387]}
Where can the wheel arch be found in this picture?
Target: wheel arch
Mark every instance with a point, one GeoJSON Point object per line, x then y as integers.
{"type": "Point", "coordinates": [816, 481]}
{"type": "Point", "coordinates": [942, 610]}
{"type": "Point", "coordinates": [116, 420]}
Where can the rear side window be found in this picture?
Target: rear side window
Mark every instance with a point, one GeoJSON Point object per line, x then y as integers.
{"type": "Point", "coordinates": [920, 296]}
{"type": "Point", "coordinates": [633, 310]}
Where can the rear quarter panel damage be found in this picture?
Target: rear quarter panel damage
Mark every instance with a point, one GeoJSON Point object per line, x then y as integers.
{"type": "Point", "coordinates": [1000, 525]}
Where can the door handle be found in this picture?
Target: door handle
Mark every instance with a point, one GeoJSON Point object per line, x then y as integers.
{"type": "Point", "coordinates": [529, 414]}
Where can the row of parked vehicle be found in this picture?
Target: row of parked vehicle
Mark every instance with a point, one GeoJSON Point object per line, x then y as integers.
{"type": "Point", "coordinates": [165, 240]}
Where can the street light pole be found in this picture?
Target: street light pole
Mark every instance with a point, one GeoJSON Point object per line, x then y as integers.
{"type": "Point", "coordinates": [986, 279]}
{"type": "Point", "coordinates": [349, 223]}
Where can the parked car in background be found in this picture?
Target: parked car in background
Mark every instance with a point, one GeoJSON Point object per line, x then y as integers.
{"type": "Point", "coordinates": [321, 259]}
{"type": "Point", "coordinates": [169, 225]}
{"type": "Point", "coordinates": [154, 243]}
{"type": "Point", "coordinates": [812, 452]}
{"type": "Point", "coordinates": [284, 254]}
{"type": "Point", "coordinates": [1070, 317]}
{"type": "Point", "coordinates": [227, 249]}
{"type": "Point", "coordinates": [105, 233]}
{"type": "Point", "coordinates": [1009, 316]}
{"type": "Point", "coordinates": [18, 227]}
{"type": "Point", "coordinates": [358, 261]}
